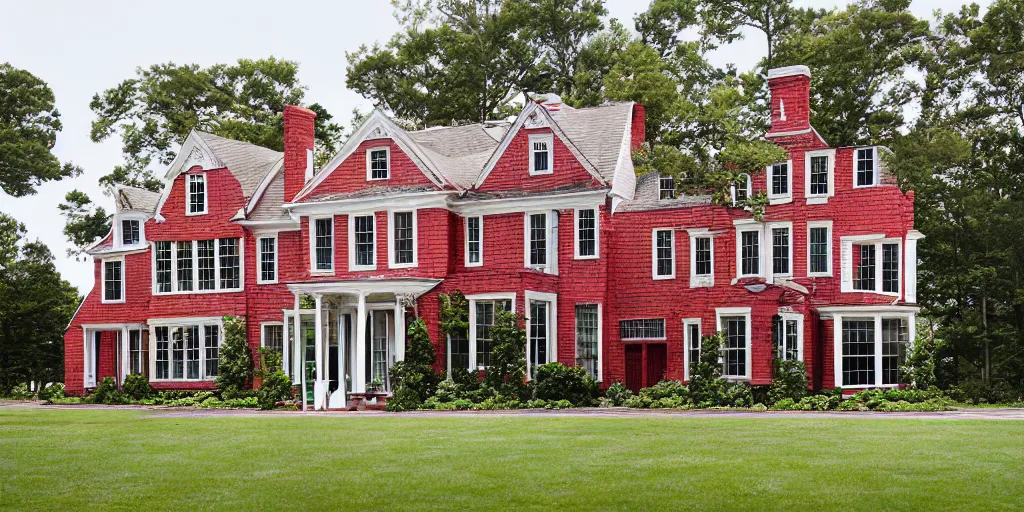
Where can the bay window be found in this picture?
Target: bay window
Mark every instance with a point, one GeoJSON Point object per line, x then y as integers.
{"type": "Point", "coordinates": [871, 344]}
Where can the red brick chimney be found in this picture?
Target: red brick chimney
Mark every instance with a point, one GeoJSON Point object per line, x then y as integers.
{"type": "Point", "coordinates": [638, 126]}
{"type": "Point", "coordinates": [791, 97]}
{"type": "Point", "coordinates": [298, 149]}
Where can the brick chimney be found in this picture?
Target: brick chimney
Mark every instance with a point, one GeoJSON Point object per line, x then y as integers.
{"type": "Point", "coordinates": [639, 130]}
{"type": "Point", "coordinates": [791, 96]}
{"type": "Point", "coordinates": [298, 149]}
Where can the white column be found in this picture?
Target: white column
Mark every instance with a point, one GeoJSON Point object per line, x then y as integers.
{"type": "Point", "coordinates": [319, 337]}
{"type": "Point", "coordinates": [285, 348]}
{"type": "Point", "coordinates": [125, 352]}
{"type": "Point", "coordinates": [399, 329]}
{"type": "Point", "coordinates": [297, 371]}
{"type": "Point", "coordinates": [359, 365]}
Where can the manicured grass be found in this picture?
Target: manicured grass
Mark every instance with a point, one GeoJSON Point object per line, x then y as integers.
{"type": "Point", "coordinates": [101, 459]}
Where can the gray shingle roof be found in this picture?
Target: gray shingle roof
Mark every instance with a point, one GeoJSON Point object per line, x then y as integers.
{"type": "Point", "coordinates": [136, 199]}
{"type": "Point", "coordinates": [597, 132]}
{"type": "Point", "coordinates": [248, 163]}
{"type": "Point", "coordinates": [647, 197]}
{"type": "Point", "coordinates": [269, 207]}
{"type": "Point", "coordinates": [374, 191]}
{"type": "Point", "coordinates": [459, 152]}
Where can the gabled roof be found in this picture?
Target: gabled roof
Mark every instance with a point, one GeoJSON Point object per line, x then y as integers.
{"type": "Point", "coordinates": [648, 197]}
{"type": "Point", "coordinates": [135, 199]}
{"type": "Point", "coordinates": [459, 151]}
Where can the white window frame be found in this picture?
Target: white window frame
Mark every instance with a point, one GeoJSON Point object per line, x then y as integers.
{"type": "Point", "coordinates": [392, 247]}
{"type": "Point", "coordinates": [745, 312]}
{"type": "Point", "coordinates": [876, 173]}
{"type": "Point", "coordinates": [876, 316]}
{"type": "Point", "coordinates": [473, 299]}
{"type": "Point", "coordinates": [799, 317]}
{"type": "Point", "coordinates": [465, 244]}
{"type": "Point", "coordinates": [550, 140]}
{"type": "Point", "coordinates": [827, 224]}
{"type": "Point", "coordinates": [780, 198]}
{"type": "Point", "coordinates": [748, 185]}
{"type": "Point", "coordinates": [600, 336]}
{"type": "Point", "coordinates": [846, 262]}
{"type": "Point", "coordinates": [312, 245]}
{"type": "Point", "coordinates": [769, 265]}
{"type": "Point", "coordinates": [660, 189]}
{"type": "Point", "coordinates": [195, 268]}
{"type": "Point", "coordinates": [552, 341]}
{"type": "Point", "coordinates": [118, 229]}
{"type": "Point", "coordinates": [369, 170]}
{"type": "Point", "coordinates": [820, 198]}
{"type": "Point", "coordinates": [701, 281]}
{"type": "Point", "coordinates": [188, 195]}
{"type": "Point", "coordinates": [259, 259]}
{"type": "Point", "coordinates": [551, 241]}
{"type": "Point", "coordinates": [103, 280]}
{"type": "Point", "coordinates": [654, 254]}
{"type": "Point", "coordinates": [284, 341]}
{"type": "Point", "coordinates": [910, 265]}
{"type": "Point", "coordinates": [597, 234]}
{"type": "Point", "coordinates": [171, 324]}
{"type": "Point", "coordinates": [687, 322]}
{"type": "Point", "coordinates": [752, 227]}
{"type": "Point", "coordinates": [352, 267]}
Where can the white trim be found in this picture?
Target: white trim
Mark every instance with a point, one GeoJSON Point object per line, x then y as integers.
{"type": "Point", "coordinates": [352, 267]}
{"type": "Point", "coordinates": [548, 138]}
{"type": "Point", "coordinates": [465, 226]}
{"type": "Point", "coordinates": [787, 134]}
{"type": "Point", "coordinates": [550, 265]}
{"type": "Point", "coordinates": [701, 281]}
{"type": "Point", "coordinates": [259, 259]}
{"type": "Point", "coordinates": [590, 199]}
{"type": "Point", "coordinates": [827, 224]}
{"type": "Point", "coordinates": [312, 245]}
{"type": "Point", "coordinates": [171, 323]}
{"type": "Point", "coordinates": [847, 276]}
{"type": "Point", "coordinates": [820, 198]}
{"type": "Point", "coordinates": [391, 239]}
{"type": "Point", "coordinates": [194, 151]}
{"type": "Point", "coordinates": [576, 234]}
{"type": "Point", "coordinates": [876, 314]}
{"type": "Point", "coordinates": [789, 71]}
{"type": "Point", "coordinates": [654, 254]}
{"type": "Point", "coordinates": [370, 204]}
{"type": "Point", "coordinates": [774, 199]}
{"type": "Point", "coordinates": [188, 195]}
{"type": "Point", "coordinates": [600, 335]}
{"type": "Point", "coordinates": [719, 313]}
{"type": "Point", "coordinates": [769, 268]}
{"type": "Point", "coordinates": [103, 280]}
{"type": "Point", "coordinates": [687, 322]}
{"type": "Point", "coordinates": [195, 268]}
{"type": "Point", "coordinates": [262, 188]}
{"type": "Point", "coordinates": [752, 227]}
{"type": "Point", "coordinates": [387, 156]}
{"type": "Point", "coordinates": [876, 171]}
{"type": "Point", "coordinates": [799, 317]}
{"type": "Point", "coordinates": [473, 299]}
{"type": "Point", "coordinates": [748, 186]}
{"type": "Point", "coordinates": [552, 335]}
{"type": "Point", "coordinates": [117, 227]}
{"type": "Point", "coordinates": [910, 264]}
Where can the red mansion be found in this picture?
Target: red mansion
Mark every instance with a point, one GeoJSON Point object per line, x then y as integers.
{"type": "Point", "coordinates": [543, 215]}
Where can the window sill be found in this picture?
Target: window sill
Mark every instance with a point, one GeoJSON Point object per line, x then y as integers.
{"type": "Point", "coordinates": [542, 173]}
{"type": "Point", "coordinates": [873, 185]}
{"type": "Point", "coordinates": [266, 282]}
{"type": "Point", "coordinates": [772, 201]}
{"type": "Point", "coordinates": [578, 257]}
{"type": "Point", "coordinates": [112, 301]}
{"type": "Point", "coordinates": [819, 274]}
{"type": "Point", "coordinates": [196, 214]}
{"type": "Point", "coordinates": [701, 282]}
{"type": "Point", "coordinates": [198, 292]}
{"type": "Point", "coordinates": [403, 265]}
{"type": "Point", "coordinates": [817, 200]}
{"type": "Point", "coordinates": [358, 269]}
{"type": "Point", "coordinates": [663, 278]}
{"type": "Point", "coordinates": [379, 179]}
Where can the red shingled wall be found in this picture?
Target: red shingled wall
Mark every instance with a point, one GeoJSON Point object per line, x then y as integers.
{"type": "Point", "coordinates": [350, 176]}
{"type": "Point", "coordinates": [512, 171]}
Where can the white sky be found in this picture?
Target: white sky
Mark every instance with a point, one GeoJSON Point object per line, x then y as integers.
{"type": "Point", "coordinates": [82, 48]}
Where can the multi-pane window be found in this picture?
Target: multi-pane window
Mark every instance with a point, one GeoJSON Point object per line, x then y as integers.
{"type": "Point", "coordinates": [484, 321]}
{"type": "Point", "coordinates": [819, 176]}
{"type": "Point", "coordinates": [734, 351]}
{"type": "Point", "coordinates": [666, 187]}
{"type": "Point", "coordinates": [130, 232]}
{"type": "Point", "coordinates": [538, 239]}
{"type": "Point", "coordinates": [192, 352]}
{"type": "Point", "coordinates": [230, 273]}
{"type": "Point", "coordinates": [458, 349]}
{"type": "Point", "coordinates": [273, 338]}
{"type": "Point", "coordinates": [323, 244]}
{"type": "Point", "coordinates": [211, 347]}
{"type": "Point", "coordinates": [818, 241]}
{"type": "Point", "coordinates": [586, 233]}
{"type": "Point", "coordinates": [894, 348]}
{"type": "Point", "coordinates": [865, 162]}
{"type": "Point", "coordinates": [378, 161]}
{"type": "Point", "coordinates": [750, 253]}
{"type": "Point", "coordinates": [187, 352]}
{"type": "Point", "coordinates": [138, 356]}
{"type": "Point", "coordinates": [178, 353]}
{"type": "Point", "coordinates": [474, 242]}
{"type": "Point", "coordinates": [780, 250]}
{"type": "Point", "coordinates": [113, 280]}
{"type": "Point", "coordinates": [363, 230]}
{"type": "Point", "coordinates": [403, 238]}
{"type": "Point", "coordinates": [858, 340]}
{"type": "Point", "coordinates": [540, 154]}
{"type": "Point", "coordinates": [692, 333]}
{"type": "Point", "coordinates": [163, 354]}
{"type": "Point", "coordinates": [163, 266]}
{"type": "Point", "coordinates": [642, 328]}
{"type": "Point", "coordinates": [587, 356]}
{"type": "Point", "coordinates": [780, 179]}
{"type": "Point", "coordinates": [207, 264]}
{"type": "Point", "coordinates": [891, 268]}
{"type": "Point", "coordinates": [702, 256]}
{"type": "Point", "coordinates": [196, 193]}
{"type": "Point", "coordinates": [786, 336]}
{"type": "Point", "coordinates": [184, 256]}
{"type": "Point", "coordinates": [865, 268]}
{"type": "Point", "coordinates": [742, 188]}
{"type": "Point", "coordinates": [539, 333]}
{"type": "Point", "coordinates": [268, 259]}
{"type": "Point", "coordinates": [664, 253]}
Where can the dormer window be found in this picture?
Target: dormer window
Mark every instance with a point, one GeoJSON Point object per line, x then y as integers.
{"type": "Point", "coordinates": [196, 194]}
{"type": "Point", "coordinates": [780, 182]}
{"type": "Point", "coordinates": [666, 187]}
{"type": "Point", "coordinates": [866, 167]}
{"type": "Point", "coordinates": [378, 163]}
{"type": "Point", "coordinates": [540, 154]}
{"type": "Point", "coordinates": [130, 232]}
{"type": "Point", "coordinates": [741, 189]}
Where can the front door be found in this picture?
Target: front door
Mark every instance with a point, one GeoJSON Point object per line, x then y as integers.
{"type": "Point", "coordinates": [657, 363]}
{"type": "Point", "coordinates": [634, 367]}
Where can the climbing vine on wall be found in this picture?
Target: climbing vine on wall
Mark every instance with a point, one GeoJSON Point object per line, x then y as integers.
{"type": "Point", "coordinates": [454, 314]}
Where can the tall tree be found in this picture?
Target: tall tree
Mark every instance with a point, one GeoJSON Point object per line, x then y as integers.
{"type": "Point", "coordinates": [29, 123]}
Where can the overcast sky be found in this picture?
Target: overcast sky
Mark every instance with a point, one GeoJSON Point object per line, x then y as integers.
{"type": "Point", "coordinates": [81, 48]}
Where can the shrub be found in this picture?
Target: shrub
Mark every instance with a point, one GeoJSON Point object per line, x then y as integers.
{"type": "Point", "coordinates": [736, 394]}
{"type": "Point", "coordinates": [618, 393]}
{"type": "Point", "coordinates": [106, 393]}
{"type": "Point", "coordinates": [52, 392]}
{"type": "Point", "coordinates": [21, 392]}
{"type": "Point", "coordinates": [556, 381]}
{"type": "Point", "coordinates": [977, 392]}
{"type": "Point", "coordinates": [136, 386]}
{"type": "Point", "coordinates": [467, 380]}
{"type": "Point", "coordinates": [706, 384]}
{"type": "Point", "coordinates": [276, 387]}
{"type": "Point", "coordinates": [789, 381]}
{"type": "Point", "coordinates": [666, 389]}
{"type": "Point", "coordinates": [404, 399]}
{"type": "Point", "coordinates": [638, 402]}
{"type": "Point", "coordinates": [235, 367]}
{"type": "Point", "coordinates": [416, 372]}
{"type": "Point", "coordinates": [508, 355]}
{"type": "Point", "coordinates": [918, 369]}
{"type": "Point", "coordinates": [498, 402]}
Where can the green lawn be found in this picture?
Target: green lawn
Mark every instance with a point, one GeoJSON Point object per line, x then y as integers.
{"type": "Point", "coordinates": [74, 459]}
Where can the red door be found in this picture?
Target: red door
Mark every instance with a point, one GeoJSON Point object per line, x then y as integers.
{"type": "Point", "coordinates": [657, 363]}
{"type": "Point", "coordinates": [634, 367]}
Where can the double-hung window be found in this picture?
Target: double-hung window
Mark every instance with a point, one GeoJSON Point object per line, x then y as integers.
{"type": "Point", "coordinates": [588, 336]}
{"type": "Point", "coordinates": [871, 264]}
{"type": "Point", "coordinates": [666, 187]}
{"type": "Point", "coordinates": [787, 335]}
{"type": "Point", "coordinates": [702, 259]}
{"type": "Point", "coordinates": [138, 361]}
{"type": "Point", "coordinates": [113, 280]}
{"type": "Point", "coordinates": [207, 265]}
{"type": "Point", "coordinates": [211, 350]}
{"type": "Point", "coordinates": [230, 264]}
{"type": "Point", "coordinates": [748, 250]}
{"type": "Point", "coordinates": [184, 263]}
{"type": "Point", "coordinates": [541, 153]}
{"type": "Point", "coordinates": [323, 244]}
{"type": "Point", "coordinates": [403, 239]}
{"type": "Point", "coordinates": [541, 242]}
{"type": "Point", "coordinates": [268, 259]}
{"type": "Point", "coordinates": [780, 181]}
{"type": "Point", "coordinates": [819, 175]}
{"type": "Point", "coordinates": [781, 238]}
{"type": "Point", "coordinates": [474, 241]}
{"type": "Point", "coordinates": [378, 163]}
{"type": "Point", "coordinates": [196, 194]}
{"type": "Point", "coordinates": [586, 233]}
{"type": "Point", "coordinates": [663, 253]}
{"type": "Point", "coordinates": [742, 189]}
{"type": "Point", "coordinates": [691, 341]}
{"type": "Point", "coordinates": [865, 163]}
{"type": "Point", "coordinates": [540, 328]}
{"type": "Point", "coordinates": [162, 259]}
{"type": "Point", "coordinates": [197, 266]}
{"type": "Point", "coordinates": [187, 352]}
{"type": "Point", "coordinates": [362, 242]}
{"type": "Point", "coordinates": [819, 248]}
{"type": "Point", "coordinates": [734, 323]}
{"type": "Point", "coordinates": [131, 232]}
{"type": "Point", "coordinates": [872, 349]}
{"type": "Point", "coordinates": [484, 312]}
{"type": "Point", "coordinates": [273, 337]}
